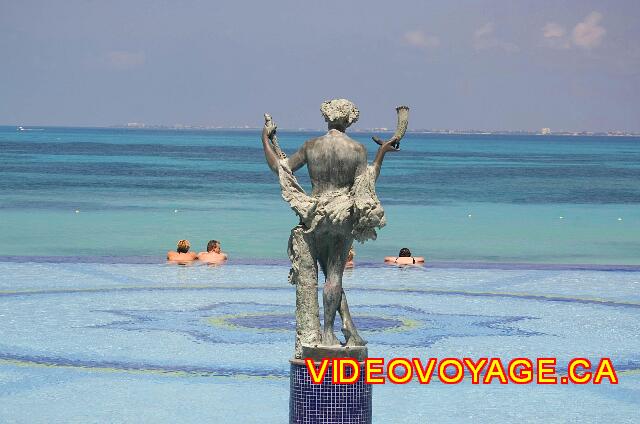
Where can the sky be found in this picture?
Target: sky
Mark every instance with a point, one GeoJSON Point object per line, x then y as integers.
{"type": "Point", "coordinates": [497, 65]}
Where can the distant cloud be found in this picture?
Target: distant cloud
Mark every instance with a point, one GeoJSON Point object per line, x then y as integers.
{"type": "Point", "coordinates": [484, 39]}
{"type": "Point", "coordinates": [556, 36]}
{"type": "Point", "coordinates": [553, 30]}
{"type": "Point", "coordinates": [418, 38]}
{"type": "Point", "coordinates": [586, 34]}
{"type": "Point", "coordinates": [122, 60]}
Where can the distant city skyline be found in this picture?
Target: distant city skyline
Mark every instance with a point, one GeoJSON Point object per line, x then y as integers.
{"type": "Point", "coordinates": [541, 131]}
{"type": "Point", "coordinates": [445, 131]}
{"type": "Point", "coordinates": [517, 66]}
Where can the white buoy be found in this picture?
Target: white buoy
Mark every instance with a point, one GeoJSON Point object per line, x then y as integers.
{"type": "Point", "coordinates": [562, 217]}
{"type": "Point", "coordinates": [77, 211]}
{"type": "Point", "coordinates": [469, 215]}
{"type": "Point", "coordinates": [175, 211]}
{"type": "Point", "coordinates": [619, 219]}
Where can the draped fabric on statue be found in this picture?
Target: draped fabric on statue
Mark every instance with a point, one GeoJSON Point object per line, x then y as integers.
{"type": "Point", "coordinates": [358, 204]}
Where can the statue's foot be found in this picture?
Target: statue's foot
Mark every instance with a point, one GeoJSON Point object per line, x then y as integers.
{"type": "Point", "coordinates": [356, 340]}
{"type": "Point", "coordinates": [353, 339]}
{"type": "Point", "coordinates": [330, 339]}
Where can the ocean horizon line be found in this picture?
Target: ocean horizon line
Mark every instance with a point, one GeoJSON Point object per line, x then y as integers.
{"type": "Point", "coordinates": [444, 131]}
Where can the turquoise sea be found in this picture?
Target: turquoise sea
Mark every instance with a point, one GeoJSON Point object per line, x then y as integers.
{"type": "Point", "coordinates": [532, 247]}
{"type": "Point", "coordinates": [475, 198]}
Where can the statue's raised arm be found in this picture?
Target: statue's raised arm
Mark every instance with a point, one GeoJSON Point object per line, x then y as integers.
{"type": "Point", "coordinates": [393, 144]}
{"type": "Point", "coordinates": [272, 151]}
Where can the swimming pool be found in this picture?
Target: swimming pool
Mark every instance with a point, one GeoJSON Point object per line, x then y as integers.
{"type": "Point", "coordinates": [121, 342]}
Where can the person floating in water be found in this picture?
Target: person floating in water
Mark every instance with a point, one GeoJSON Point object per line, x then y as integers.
{"type": "Point", "coordinates": [350, 256]}
{"type": "Point", "coordinates": [214, 253]}
{"type": "Point", "coordinates": [182, 254]}
{"type": "Point", "coordinates": [404, 258]}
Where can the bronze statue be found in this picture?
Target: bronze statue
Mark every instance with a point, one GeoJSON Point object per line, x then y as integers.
{"type": "Point", "coordinates": [342, 207]}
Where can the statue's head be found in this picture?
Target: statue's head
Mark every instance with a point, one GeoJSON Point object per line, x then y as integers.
{"type": "Point", "coordinates": [339, 113]}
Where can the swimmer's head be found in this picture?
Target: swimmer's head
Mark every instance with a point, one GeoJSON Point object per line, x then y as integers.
{"type": "Point", "coordinates": [213, 246]}
{"type": "Point", "coordinates": [339, 113]}
{"type": "Point", "coordinates": [404, 253]}
{"type": "Point", "coordinates": [183, 246]}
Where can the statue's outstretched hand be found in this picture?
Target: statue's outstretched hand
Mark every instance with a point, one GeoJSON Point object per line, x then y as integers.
{"type": "Point", "coordinates": [269, 130]}
{"type": "Point", "coordinates": [389, 146]}
{"type": "Point", "coordinates": [270, 127]}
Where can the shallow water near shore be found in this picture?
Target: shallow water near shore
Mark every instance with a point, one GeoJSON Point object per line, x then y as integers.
{"type": "Point", "coordinates": [479, 198]}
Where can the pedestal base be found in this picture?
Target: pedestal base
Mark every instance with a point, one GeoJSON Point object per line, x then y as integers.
{"type": "Point", "coordinates": [319, 352]}
{"type": "Point", "coordinates": [327, 402]}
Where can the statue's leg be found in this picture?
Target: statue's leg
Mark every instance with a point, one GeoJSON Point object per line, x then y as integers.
{"type": "Point", "coordinates": [304, 274]}
{"type": "Point", "coordinates": [348, 327]}
{"type": "Point", "coordinates": [351, 335]}
{"type": "Point", "coordinates": [334, 255]}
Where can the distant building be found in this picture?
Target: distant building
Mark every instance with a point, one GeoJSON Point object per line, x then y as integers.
{"type": "Point", "coordinates": [545, 131]}
{"type": "Point", "coordinates": [135, 125]}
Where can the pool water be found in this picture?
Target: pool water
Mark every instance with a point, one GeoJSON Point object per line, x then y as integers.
{"type": "Point", "coordinates": [148, 342]}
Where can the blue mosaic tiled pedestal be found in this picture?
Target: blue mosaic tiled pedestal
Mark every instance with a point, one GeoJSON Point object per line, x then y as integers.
{"type": "Point", "coordinates": [327, 402]}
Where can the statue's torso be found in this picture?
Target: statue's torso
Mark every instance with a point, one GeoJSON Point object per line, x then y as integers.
{"type": "Point", "coordinates": [333, 161]}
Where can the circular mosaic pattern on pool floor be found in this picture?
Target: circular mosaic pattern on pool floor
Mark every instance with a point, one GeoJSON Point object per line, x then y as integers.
{"type": "Point", "coordinates": [180, 330]}
{"type": "Point", "coordinates": [278, 322]}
